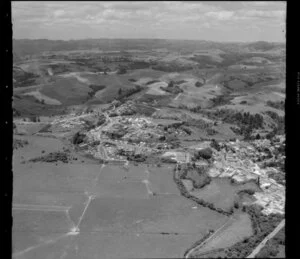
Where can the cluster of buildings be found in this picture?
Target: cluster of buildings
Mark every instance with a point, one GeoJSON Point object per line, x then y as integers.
{"type": "Point", "coordinates": [123, 136]}
{"type": "Point", "coordinates": [237, 160]}
{"type": "Point", "coordinates": [178, 156]}
{"type": "Point", "coordinates": [272, 198]}
{"type": "Point", "coordinates": [235, 163]}
{"type": "Point", "coordinates": [70, 121]}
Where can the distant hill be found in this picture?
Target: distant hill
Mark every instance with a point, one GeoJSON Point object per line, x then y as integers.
{"type": "Point", "coordinates": [263, 46]}
{"type": "Point", "coordinates": [25, 47]}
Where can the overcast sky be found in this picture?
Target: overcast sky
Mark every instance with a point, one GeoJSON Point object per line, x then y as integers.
{"type": "Point", "coordinates": [218, 21]}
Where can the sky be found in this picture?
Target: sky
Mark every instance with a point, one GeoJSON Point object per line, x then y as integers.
{"type": "Point", "coordinates": [196, 20]}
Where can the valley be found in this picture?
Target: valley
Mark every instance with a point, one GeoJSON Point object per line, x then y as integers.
{"type": "Point", "coordinates": [147, 149]}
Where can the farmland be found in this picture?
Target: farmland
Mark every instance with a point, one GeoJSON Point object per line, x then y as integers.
{"type": "Point", "coordinates": [146, 148]}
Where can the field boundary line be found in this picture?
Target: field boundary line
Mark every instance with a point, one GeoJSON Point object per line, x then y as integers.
{"type": "Point", "coordinates": [90, 198]}
{"type": "Point", "coordinates": [47, 242]}
{"type": "Point", "coordinates": [39, 207]}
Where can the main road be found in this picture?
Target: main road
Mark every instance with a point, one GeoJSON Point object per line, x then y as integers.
{"type": "Point", "coordinates": [267, 238]}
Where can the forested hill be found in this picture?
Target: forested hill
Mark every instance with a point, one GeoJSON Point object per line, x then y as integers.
{"type": "Point", "coordinates": [23, 47]}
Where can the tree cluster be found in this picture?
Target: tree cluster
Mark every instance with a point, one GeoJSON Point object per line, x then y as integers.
{"type": "Point", "coordinates": [205, 153]}
{"type": "Point", "coordinates": [152, 82]}
{"type": "Point", "coordinates": [215, 144]}
{"type": "Point", "coordinates": [245, 119]}
{"type": "Point", "coordinates": [262, 225]}
{"type": "Point", "coordinates": [221, 100]}
{"type": "Point", "coordinates": [171, 67]}
{"type": "Point", "coordinates": [185, 193]}
{"type": "Point", "coordinates": [172, 88]}
{"type": "Point", "coordinates": [279, 121]}
{"type": "Point", "coordinates": [78, 138]}
{"type": "Point", "coordinates": [124, 93]}
{"type": "Point", "coordinates": [122, 70]}
{"type": "Point", "coordinates": [23, 78]}
{"type": "Point", "coordinates": [280, 105]}
{"type": "Point", "coordinates": [199, 84]}
{"type": "Point", "coordinates": [52, 157]}
{"type": "Point", "coordinates": [34, 119]}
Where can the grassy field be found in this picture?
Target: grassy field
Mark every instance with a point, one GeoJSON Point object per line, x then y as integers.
{"type": "Point", "coordinates": [68, 91]}
{"type": "Point", "coordinates": [43, 98]}
{"type": "Point", "coordinates": [57, 193]}
{"type": "Point", "coordinates": [28, 106]}
{"type": "Point", "coordinates": [79, 208]}
{"type": "Point", "coordinates": [36, 146]}
{"type": "Point", "coordinates": [221, 192]}
{"type": "Point", "coordinates": [235, 232]}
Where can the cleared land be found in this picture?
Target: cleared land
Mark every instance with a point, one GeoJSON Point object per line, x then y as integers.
{"type": "Point", "coordinates": [43, 98]}
{"type": "Point", "coordinates": [221, 192]}
{"type": "Point", "coordinates": [235, 232]}
{"type": "Point", "coordinates": [77, 207]}
{"type": "Point", "coordinates": [111, 205]}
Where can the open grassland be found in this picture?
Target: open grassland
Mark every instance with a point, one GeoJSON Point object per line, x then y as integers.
{"type": "Point", "coordinates": [43, 98]}
{"type": "Point", "coordinates": [67, 90]}
{"type": "Point", "coordinates": [112, 82]}
{"type": "Point", "coordinates": [28, 106]}
{"type": "Point", "coordinates": [237, 230]}
{"type": "Point", "coordinates": [67, 205]}
{"type": "Point", "coordinates": [221, 192]}
{"type": "Point", "coordinates": [35, 147]}
{"type": "Point", "coordinates": [28, 128]}
{"type": "Point", "coordinates": [129, 210]}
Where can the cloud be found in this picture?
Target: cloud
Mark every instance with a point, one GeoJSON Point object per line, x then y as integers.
{"type": "Point", "coordinates": [129, 6]}
{"type": "Point", "coordinates": [59, 13]}
{"type": "Point", "coordinates": [221, 15]}
{"type": "Point", "coordinates": [178, 17]}
{"type": "Point", "coordinates": [276, 14]}
{"type": "Point", "coordinates": [265, 5]}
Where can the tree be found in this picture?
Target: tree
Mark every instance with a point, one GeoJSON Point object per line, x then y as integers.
{"type": "Point", "coordinates": [198, 84]}
{"type": "Point", "coordinates": [205, 153]}
{"type": "Point", "coordinates": [120, 91]}
{"type": "Point", "coordinates": [171, 84]}
{"type": "Point", "coordinates": [214, 144]}
{"type": "Point", "coordinates": [34, 119]}
{"type": "Point", "coordinates": [78, 138]}
{"type": "Point", "coordinates": [236, 205]}
{"type": "Point", "coordinates": [246, 131]}
{"type": "Point", "coordinates": [122, 70]}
